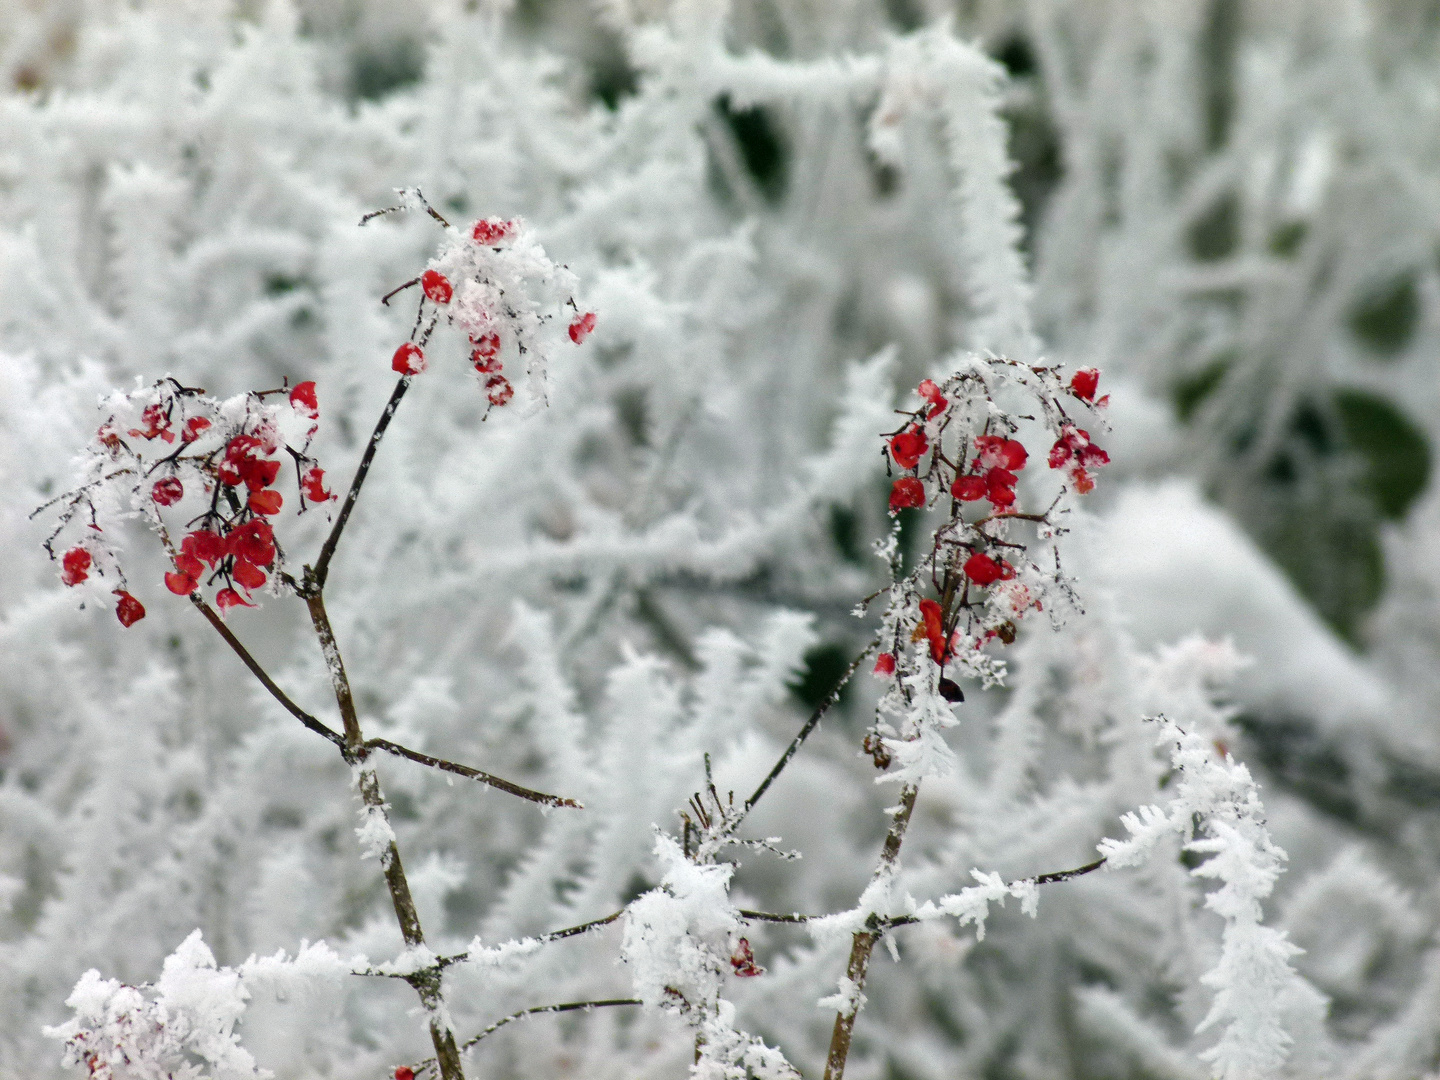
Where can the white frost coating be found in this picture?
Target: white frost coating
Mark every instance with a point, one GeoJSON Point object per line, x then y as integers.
{"type": "Point", "coordinates": [679, 940]}
{"type": "Point", "coordinates": [934, 70]}
{"type": "Point", "coordinates": [1255, 986]}
{"type": "Point", "coordinates": [678, 936]}
{"type": "Point", "coordinates": [374, 833]}
{"type": "Point", "coordinates": [918, 747]}
{"type": "Point", "coordinates": [972, 904]}
{"type": "Point", "coordinates": [501, 954]}
{"type": "Point", "coordinates": [848, 998]}
{"type": "Point", "coordinates": [125, 1032]}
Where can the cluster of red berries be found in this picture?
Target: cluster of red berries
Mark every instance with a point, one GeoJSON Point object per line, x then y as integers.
{"type": "Point", "coordinates": [990, 474]}
{"type": "Point", "coordinates": [235, 540]}
{"type": "Point", "coordinates": [409, 358]}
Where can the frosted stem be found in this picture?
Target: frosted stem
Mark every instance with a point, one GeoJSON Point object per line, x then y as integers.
{"type": "Point", "coordinates": [427, 984]}
{"type": "Point", "coordinates": [863, 943]}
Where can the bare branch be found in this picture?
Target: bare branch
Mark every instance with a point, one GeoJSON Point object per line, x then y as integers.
{"type": "Point", "coordinates": [315, 578]}
{"type": "Point", "coordinates": [260, 673]}
{"type": "Point", "coordinates": [804, 733]}
{"type": "Point", "coordinates": [473, 774]}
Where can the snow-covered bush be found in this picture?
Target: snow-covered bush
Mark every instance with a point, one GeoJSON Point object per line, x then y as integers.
{"type": "Point", "coordinates": [678, 265]}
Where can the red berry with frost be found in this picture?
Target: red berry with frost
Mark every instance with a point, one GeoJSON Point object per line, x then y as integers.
{"type": "Point", "coordinates": [885, 664]}
{"type": "Point", "coordinates": [982, 569]}
{"type": "Point", "coordinates": [931, 393]}
{"type": "Point", "coordinates": [491, 230]}
{"type": "Point", "coordinates": [968, 488]}
{"type": "Point", "coordinates": [167, 492]}
{"type": "Point", "coordinates": [743, 961]}
{"type": "Point", "coordinates": [404, 1072]}
{"type": "Point", "coordinates": [194, 428]}
{"type": "Point", "coordinates": [313, 483]}
{"type": "Point", "coordinates": [409, 359]}
{"type": "Point", "coordinates": [157, 424]}
{"type": "Point", "coordinates": [1084, 383]}
{"type": "Point", "coordinates": [498, 389]}
{"type": "Point", "coordinates": [304, 401]}
{"type": "Point", "coordinates": [581, 328]}
{"type": "Point", "coordinates": [437, 286]}
{"type": "Point", "coordinates": [128, 610]}
{"type": "Point", "coordinates": [909, 447]}
{"type": "Point", "coordinates": [266, 502]}
{"type": "Point", "coordinates": [907, 492]}
{"type": "Point", "coordinates": [995, 452]}
{"type": "Point", "coordinates": [75, 566]}
{"type": "Point", "coordinates": [225, 599]}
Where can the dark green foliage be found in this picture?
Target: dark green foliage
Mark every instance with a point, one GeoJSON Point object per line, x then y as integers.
{"type": "Point", "coordinates": [761, 144]}
{"type": "Point", "coordinates": [1190, 392]}
{"type": "Point", "coordinates": [1216, 233]}
{"type": "Point", "coordinates": [845, 532]}
{"type": "Point", "coordinates": [1396, 455]}
{"type": "Point", "coordinates": [1384, 319]}
{"type": "Point", "coordinates": [379, 71]}
{"type": "Point", "coordinates": [825, 666]}
{"type": "Point", "coordinates": [1285, 240]}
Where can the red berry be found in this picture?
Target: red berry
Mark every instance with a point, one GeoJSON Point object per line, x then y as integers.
{"type": "Point", "coordinates": [259, 472]}
{"type": "Point", "coordinates": [266, 502]}
{"type": "Point", "coordinates": [207, 546]}
{"type": "Point", "coordinates": [225, 599]}
{"type": "Point", "coordinates": [404, 1072]}
{"type": "Point", "coordinates": [743, 961]}
{"type": "Point", "coordinates": [75, 566]}
{"type": "Point", "coordinates": [1001, 497]}
{"type": "Point", "coordinates": [167, 492]}
{"type": "Point", "coordinates": [931, 393]}
{"type": "Point", "coordinates": [314, 484]}
{"type": "Point", "coordinates": [129, 610]}
{"type": "Point", "coordinates": [303, 400]}
{"type": "Point", "coordinates": [498, 389]}
{"type": "Point", "coordinates": [909, 447]}
{"type": "Point", "coordinates": [409, 359]}
{"type": "Point", "coordinates": [180, 584]}
{"type": "Point", "coordinates": [491, 230]}
{"type": "Point", "coordinates": [982, 569]}
{"type": "Point", "coordinates": [437, 286]}
{"type": "Point", "coordinates": [580, 329]}
{"type": "Point", "coordinates": [1084, 382]}
{"type": "Point", "coordinates": [995, 452]}
{"type": "Point", "coordinates": [908, 491]}
{"type": "Point", "coordinates": [194, 428]}
{"type": "Point", "coordinates": [968, 488]}
{"type": "Point", "coordinates": [254, 542]}
{"type": "Point", "coordinates": [885, 664]}
{"type": "Point", "coordinates": [934, 629]}
{"type": "Point", "coordinates": [248, 574]}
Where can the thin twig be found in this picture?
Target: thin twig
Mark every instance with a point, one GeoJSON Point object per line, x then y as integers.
{"type": "Point", "coordinates": [473, 774]}
{"type": "Point", "coordinates": [259, 673]}
{"type": "Point", "coordinates": [768, 916]}
{"type": "Point", "coordinates": [315, 579]}
{"type": "Point", "coordinates": [803, 734]}
{"type": "Point", "coordinates": [569, 1006]}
